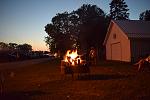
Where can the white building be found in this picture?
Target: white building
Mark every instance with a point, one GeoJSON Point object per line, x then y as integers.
{"type": "Point", "coordinates": [126, 40]}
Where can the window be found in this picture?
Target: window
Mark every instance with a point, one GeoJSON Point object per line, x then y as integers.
{"type": "Point", "coordinates": [114, 36]}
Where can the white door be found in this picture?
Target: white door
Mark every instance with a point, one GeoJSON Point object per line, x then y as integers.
{"type": "Point", "coordinates": [116, 51]}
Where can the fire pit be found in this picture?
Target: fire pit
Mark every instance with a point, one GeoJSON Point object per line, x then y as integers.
{"type": "Point", "coordinates": [73, 63]}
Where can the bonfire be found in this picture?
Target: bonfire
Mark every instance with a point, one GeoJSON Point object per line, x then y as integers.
{"type": "Point", "coordinates": [72, 58]}
{"type": "Point", "coordinates": [72, 63]}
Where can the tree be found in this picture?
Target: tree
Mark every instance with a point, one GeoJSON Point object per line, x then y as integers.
{"type": "Point", "coordinates": [119, 10]}
{"type": "Point", "coordinates": [12, 46]}
{"type": "Point", "coordinates": [50, 42]}
{"type": "Point", "coordinates": [62, 32]}
{"type": "Point", "coordinates": [93, 26]}
{"type": "Point", "coordinates": [82, 28]}
{"type": "Point", "coordinates": [145, 15]}
{"type": "Point", "coordinates": [24, 48]}
{"type": "Point", "coordinates": [3, 45]}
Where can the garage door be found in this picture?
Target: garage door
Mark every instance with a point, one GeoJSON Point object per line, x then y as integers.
{"type": "Point", "coordinates": [116, 51]}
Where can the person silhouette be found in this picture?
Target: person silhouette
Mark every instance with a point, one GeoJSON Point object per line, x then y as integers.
{"type": "Point", "coordinates": [92, 56]}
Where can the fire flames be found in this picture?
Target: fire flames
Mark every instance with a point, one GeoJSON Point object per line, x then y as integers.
{"type": "Point", "coordinates": [72, 57]}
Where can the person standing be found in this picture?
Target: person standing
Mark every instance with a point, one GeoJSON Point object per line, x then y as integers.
{"type": "Point", "coordinates": [92, 56]}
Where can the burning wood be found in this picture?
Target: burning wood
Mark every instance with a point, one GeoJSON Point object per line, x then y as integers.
{"type": "Point", "coordinates": [72, 57]}
{"type": "Point", "coordinates": [73, 63]}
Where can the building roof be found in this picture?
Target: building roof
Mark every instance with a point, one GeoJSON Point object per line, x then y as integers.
{"type": "Point", "coordinates": [134, 28]}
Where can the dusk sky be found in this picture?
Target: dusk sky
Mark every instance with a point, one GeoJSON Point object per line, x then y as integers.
{"type": "Point", "coordinates": [23, 21]}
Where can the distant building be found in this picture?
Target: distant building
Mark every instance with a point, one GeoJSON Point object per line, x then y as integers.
{"type": "Point", "coordinates": [127, 40]}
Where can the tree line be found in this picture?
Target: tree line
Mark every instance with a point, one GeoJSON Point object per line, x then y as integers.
{"type": "Point", "coordinates": [17, 52]}
{"type": "Point", "coordinates": [85, 27]}
{"type": "Point", "coordinates": [16, 47]}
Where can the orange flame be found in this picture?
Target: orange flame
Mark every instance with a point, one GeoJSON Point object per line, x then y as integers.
{"type": "Point", "coordinates": [72, 57]}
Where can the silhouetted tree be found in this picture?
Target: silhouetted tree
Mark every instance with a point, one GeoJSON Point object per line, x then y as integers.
{"type": "Point", "coordinates": [24, 48]}
{"type": "Point", "coordinates": [3, 45]}
{"type": "Point", "coordinates": [145, 15]}
{"type": "Point", "coordinates": [119, 10]}
{"type": "Point", "coordinates": [12, 46]}
{"type": "Point", "coordinates": [82, 29]}
{"type": "Point", "coordinates": [93, 27]}
{"type": "Point", "coordinates": [51, 43]}
{"type": "Point", "coordinates": [62, 32]}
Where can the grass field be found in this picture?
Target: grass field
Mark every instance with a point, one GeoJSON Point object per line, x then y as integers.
{"type": "Point", "coordinates": [107, 81]}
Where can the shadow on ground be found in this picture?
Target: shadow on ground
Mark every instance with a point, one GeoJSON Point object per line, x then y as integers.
{"type": "Point", "coordinates": [22, 95]}
{"type": "Point", "coordinates": [102, 77]}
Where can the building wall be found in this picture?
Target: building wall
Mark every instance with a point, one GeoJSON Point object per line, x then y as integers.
{"type": "Point", "coordinates": [139, 48]}
{"type": "Point", "coordinates": [117, 45]}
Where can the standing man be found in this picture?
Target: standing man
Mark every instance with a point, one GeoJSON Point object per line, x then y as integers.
{"type": "Point", "coordinates": [92, 56]}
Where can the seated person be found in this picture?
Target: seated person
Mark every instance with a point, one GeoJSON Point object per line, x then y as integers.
{"type": "Point", "coordinates": [142, 62]}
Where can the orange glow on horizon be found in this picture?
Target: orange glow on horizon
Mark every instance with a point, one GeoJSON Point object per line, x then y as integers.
{"type": "Point", "coordinates": [40, 48]}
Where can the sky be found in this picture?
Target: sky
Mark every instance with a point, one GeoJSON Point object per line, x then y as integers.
{"type": "Point", "coordinates": [23, 21]}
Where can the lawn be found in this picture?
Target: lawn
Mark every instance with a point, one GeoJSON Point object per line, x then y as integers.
{"type": "Point", "coordinates": [107, 81]}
